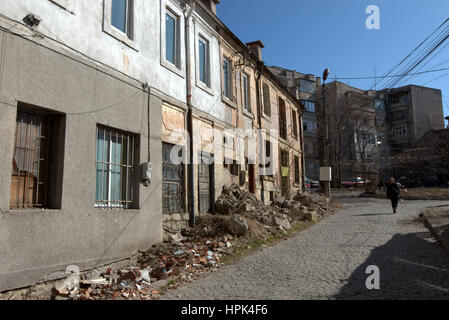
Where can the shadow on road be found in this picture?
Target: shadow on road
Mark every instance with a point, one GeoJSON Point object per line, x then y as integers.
{"type": "Point", "coordinates": [374, 214]}
{"type": "Point", "coordinates": [410, 266]}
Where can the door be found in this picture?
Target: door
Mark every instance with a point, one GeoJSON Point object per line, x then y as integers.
{"type": "Point", "coordinates": [285, 174]}
{"type": "Point", "coordinates": [206, 192]}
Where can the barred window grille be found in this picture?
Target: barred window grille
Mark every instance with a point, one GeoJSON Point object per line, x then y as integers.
{"type": "Point", "coordinates": [172, 183]}
{"type": "Point", "coordinates": [114, 169]}
{"type": "Point", "coordinates": [30, 162]}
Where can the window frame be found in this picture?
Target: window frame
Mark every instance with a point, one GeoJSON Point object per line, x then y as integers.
{"type": "Point", "coordinates": [227, 82]}
{"type": "Point", "coordinates": [49, 154]}
{"type": "Point", "coordinates": [124, 37]}
{"type": "Point", "coordinates": [246, 92]}
{"type": "Point", "coordinates": [266, 98]}
{"type": "Point", "coordinates": [206, 61]}
{"type": "Point", "coordinates": [131, 165]}
{"type": "Point", "coordinates": [167, 7]}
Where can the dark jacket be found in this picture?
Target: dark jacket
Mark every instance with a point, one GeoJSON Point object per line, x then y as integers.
{"type": "Point", "coordinates": [393, 191]}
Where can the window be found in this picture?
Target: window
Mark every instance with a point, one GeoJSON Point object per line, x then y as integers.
{"type": "Point", "coordinates": [295, 124]}
{"type": "Point", "coordinates": [172, 183]}
{"type": "Point", "coordinates": [400, 131]}
{"type": "Point", "coordinates": [227, 78]}
{"type": "Point", "coordinates": [282, 120]}
{"type": "Point", "coordinates": [245, 84]}
{"type": "Point", "coordinates": [36, 179]}
{"type": "Point", "coordinates": [306, 86]}
{"type": "Point", "coordinates": [297, 173]}
{"type": "Point", "coordinates": [118, 20]}
{"type": "Point", "coordinates": [122, 16]}
{"type": "Point", "coordinates": [171, 41]}
{"type": "Point", "coordinates": [310, 106]}
{"type": "Point", "coordinates": [203, 57]}
{"type": "Point", "coordinates": [266, 163]}
{"type": "Point", "coordinates": [114, 169]}
{"type": "Point", "coordinates": [266, 100]}
{"type": "Point", "coordinates": [234, 168]}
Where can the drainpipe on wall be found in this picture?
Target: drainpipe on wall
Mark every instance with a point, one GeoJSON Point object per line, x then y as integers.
{"type": "Point", "coordinates": [303, 156]}
{"type": "Point", "coordinates": [191, 191]}
{"type": "Point", "coordinates": [259, 118]}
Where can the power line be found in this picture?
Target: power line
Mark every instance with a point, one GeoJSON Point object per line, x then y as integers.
{"type": "Point", "coordinates": [413, 51]}
{"type": "Point", "coordinates": [392, 76]}
{"type": "Point", "coordinates": [437, 78]}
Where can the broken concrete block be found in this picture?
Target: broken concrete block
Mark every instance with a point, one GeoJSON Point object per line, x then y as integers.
{"type": "Point", "coordinates": [282, 223]}
{"type": "Point", "coordinates": [237, 225]}
{"type": "Point", "coordinates": [312, 216]}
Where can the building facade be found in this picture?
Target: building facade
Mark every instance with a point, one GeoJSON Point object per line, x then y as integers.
{"type": "Point", "coordinates": [123, 118]}
{"type": "Point", "coordinates": [412, 111]}
{"type": "Point", "coordinates": [304, 87]}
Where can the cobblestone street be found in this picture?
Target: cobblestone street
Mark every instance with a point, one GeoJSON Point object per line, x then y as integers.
{"type": "Point", "coordinates": [329, 260]}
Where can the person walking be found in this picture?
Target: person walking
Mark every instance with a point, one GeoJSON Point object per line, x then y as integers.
{"type": "Point", "coordinates": [393, 193]}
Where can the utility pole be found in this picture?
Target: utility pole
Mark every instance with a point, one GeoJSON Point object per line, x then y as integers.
{"type": "Point", "coordinates": [326, 172]}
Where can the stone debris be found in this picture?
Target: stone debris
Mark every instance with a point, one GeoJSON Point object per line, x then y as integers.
{"type": "Point", "coordinates": [194, 251]}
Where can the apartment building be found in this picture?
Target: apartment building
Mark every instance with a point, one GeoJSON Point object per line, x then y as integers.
{"type": "Point", "coordinates": [357, 131]}
{"type": "Point", "coordinates": [304, 88]}
{"type": "Point", "coordinates": [412, 111]}
{"type": "Point", "coordinates": [120, 118]}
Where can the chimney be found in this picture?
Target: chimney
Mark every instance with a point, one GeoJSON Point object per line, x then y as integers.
{"type": "Point", "coordinates": [256, 48]}
{"type": "Point", "coordinates": [211, 5]}
{"type": "Point", "coordinates": [447, 118]}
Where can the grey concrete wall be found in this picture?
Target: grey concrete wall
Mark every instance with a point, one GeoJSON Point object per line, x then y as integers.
{"type": "Point", "coordinates": [427, 110]}
{"type": "Point", "coordinates": [36, 244]}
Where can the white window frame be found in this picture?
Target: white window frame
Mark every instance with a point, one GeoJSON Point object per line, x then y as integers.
{"type": "Point", "coordinates": [126, 38]}
{"type": "Point", "coordinates": [246, 103]}
{"type": "Point", "coordinates": [203, 36]}
{"type": "Point", "coordinates": [174, 11]}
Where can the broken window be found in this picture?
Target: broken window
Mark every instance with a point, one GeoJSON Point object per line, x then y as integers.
{"type": "Point", "coordinates": [114, 169]}
{"type": "Point", "coordinates": [36, 179]}
{"type": "Point", "coordinates": [172, 182]}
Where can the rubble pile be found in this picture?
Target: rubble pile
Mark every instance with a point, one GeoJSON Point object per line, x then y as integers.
{"type": "Point", "coordinates": [179, 259]}
{"type": "Point", "coordinates": [197, 250]}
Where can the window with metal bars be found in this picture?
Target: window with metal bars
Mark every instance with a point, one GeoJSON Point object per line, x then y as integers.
{"type": "Point", "coordinates": [282, 120]}
{"type": "Point", "coordinates": [36, 179]}
{"type": "Point", "coordinates": [114, 169]}
{"type": "Point", "coordinates": [29, 177]}
{"type": "Point", "coordinates": [172, 183]}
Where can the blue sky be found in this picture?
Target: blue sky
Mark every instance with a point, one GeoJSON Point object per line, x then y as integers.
{"type": "Point", "coordinates": [309, 36]}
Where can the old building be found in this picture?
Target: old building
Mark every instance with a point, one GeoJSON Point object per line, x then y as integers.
{"type": "Point", "coordinates": [120, 118]}
{"type": "Point", "coordinates": [304, 87]}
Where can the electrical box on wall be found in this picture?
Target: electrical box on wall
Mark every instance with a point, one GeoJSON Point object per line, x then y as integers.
{"type": "Point", "coordinates": [325, 174]}
{"type": "Point", "coordinates": [147, 169]}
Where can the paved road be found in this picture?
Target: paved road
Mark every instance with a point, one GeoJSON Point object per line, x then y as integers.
{"type": "Point", "coordinates": [329, 260]}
